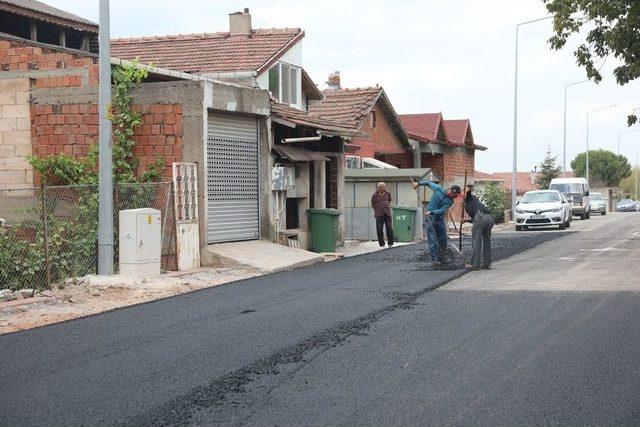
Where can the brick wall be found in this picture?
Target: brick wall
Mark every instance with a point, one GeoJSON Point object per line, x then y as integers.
{"type": "Point", "coordinates": [73, 128]}
{"type": "Point", "coordinates": [435, 162]}
{"type": "Point", "coordinates": [456, 162]}
{"type": "Point", "coordinates": [382, 139]}
{"type": "Point", "coordinates": [15, 135]}
{"type": "Point", "coordinates": [67, 69]}
{"type": "Point", "coordinates": [401, 160]}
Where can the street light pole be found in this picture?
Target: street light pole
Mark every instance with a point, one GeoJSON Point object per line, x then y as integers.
{"type": "Point", "coordinates": [105, 155]}
{"type": "Point", "coordinates": [624, 133]}
{"type": "Point", "coordinates": [514, 189]}
{"type": "Point", "coordinates": [564, 127]}
{"type": "Point", "coordinates": [588, 114]}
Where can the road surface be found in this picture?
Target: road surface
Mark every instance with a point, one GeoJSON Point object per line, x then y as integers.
{"type": "Point", "coordinates": [549, 335]}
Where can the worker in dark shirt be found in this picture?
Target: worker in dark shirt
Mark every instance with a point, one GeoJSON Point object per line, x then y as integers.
{"type": "Point", "coordinates": [381, 204]}
{"type": "Point", "coordinates": [441, 201]}
{"type": "Point", "coordinates": [482, 222]}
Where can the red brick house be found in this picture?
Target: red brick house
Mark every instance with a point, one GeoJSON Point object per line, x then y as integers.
{"type": "Point", "coordinates": [446, 146]}
{"type": "Point", "coordinates": [370, 111]}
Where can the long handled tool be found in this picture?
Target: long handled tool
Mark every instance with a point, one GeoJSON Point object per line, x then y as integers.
{"type": "Point", "coordinates": [464, 192]}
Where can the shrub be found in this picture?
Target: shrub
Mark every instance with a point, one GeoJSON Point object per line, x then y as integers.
{"type": "Point", "coordinates": [495, 199]}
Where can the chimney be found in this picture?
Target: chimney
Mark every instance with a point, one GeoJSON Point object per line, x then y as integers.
{"type": "Point", "coordinates": [333, 82]}
{"type": "Point", "coordinates": [240, 22]}
{"type": "Point", "coordinates": [534, 174]}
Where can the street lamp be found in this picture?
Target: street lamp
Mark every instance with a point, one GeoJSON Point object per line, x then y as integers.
{"type": "Point", "coordinates": [564, 127]}
{"type": "Point", "coordinates": [624, 133]}
{"type": "Point", "coordinates": [514, 189]}
{"type": "Point", "coordinates": [588, 114]}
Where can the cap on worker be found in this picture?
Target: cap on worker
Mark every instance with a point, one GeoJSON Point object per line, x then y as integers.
{"type": "Point", "coordinates": [456, 189]}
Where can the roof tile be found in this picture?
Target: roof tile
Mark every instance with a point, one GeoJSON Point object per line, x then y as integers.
{"type": "Point", "coordinates": [348, 106]}
{"type": "Point", "coordinates": [207, 52]}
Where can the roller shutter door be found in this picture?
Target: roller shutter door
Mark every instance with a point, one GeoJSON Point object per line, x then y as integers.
{"type": "Point", "coordinates": [232, 178]}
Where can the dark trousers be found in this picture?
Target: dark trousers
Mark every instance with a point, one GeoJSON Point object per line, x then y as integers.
{"type": "Point", "coordinates": [481, 240]}
{"type": "Point", "coordinates": [385, 221]}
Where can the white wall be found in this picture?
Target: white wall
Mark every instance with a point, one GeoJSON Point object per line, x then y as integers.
{"type": "Point", "coordinates": [294, 57]}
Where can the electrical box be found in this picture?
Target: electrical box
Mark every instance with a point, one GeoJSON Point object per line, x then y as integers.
{"type": "Point", "coordinates": [140, 242]}
{"type": "Point", "coordinates": [283, 178]}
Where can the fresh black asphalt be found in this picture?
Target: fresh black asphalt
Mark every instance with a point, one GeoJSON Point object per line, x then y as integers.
{"type": "Point", "coordinates": [357, 341]}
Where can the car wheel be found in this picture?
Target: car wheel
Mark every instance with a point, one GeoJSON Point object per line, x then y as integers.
{"type": "Point", "coordinates": [583, 216]}
{"type": "Point", "coordinates": [588, 215]}
{"type": "Point", "coordinates": [562, 226]}
{"type": "Point", "coordinates": [518, 228]}
{"type": "Point", "coordinates": [568, 224]}
{"type": "Point", "coordinates": [604, 213]}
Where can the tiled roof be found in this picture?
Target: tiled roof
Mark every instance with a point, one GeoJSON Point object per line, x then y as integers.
{"type": "Point", "coordinates": [303, 118]}
{"type": "Point", "coordinates": [349, 106]}
{"type": "Point", "coordinates": [210, 52]}
{"type": "Point", "coordinates": [485, 176]}
{"type": "Point", "coordinates": [45, 9]}
{"type": "Point", "coordinates": [524, 182]}
{"type": "Point", "coordinates": [424, 127]}
{"type": "Point", "coordinates": [457, 131]}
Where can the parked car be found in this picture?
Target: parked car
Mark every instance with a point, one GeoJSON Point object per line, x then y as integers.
{"type": "Point", "coordinates": [626, 205]}
{"type": "Point", "coordinates": [598, 204]}
{"type": "Point", "coordinates": [577, 191]}
{"type": "Point", "coordinates": [543, 208]}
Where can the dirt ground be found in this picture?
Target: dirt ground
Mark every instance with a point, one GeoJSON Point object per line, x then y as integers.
{"type": "Point", "coordinates": [93, 294]}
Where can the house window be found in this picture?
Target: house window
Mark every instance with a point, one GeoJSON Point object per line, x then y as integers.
{"type": "Point", "coordinates": [354, 162]}
{"type": "Point", "coordinates": [372, 118]}
{"type": "Point", "coordinates": [284, 83]}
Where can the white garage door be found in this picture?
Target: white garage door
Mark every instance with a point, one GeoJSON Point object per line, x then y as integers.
{"type": "Point", "coordinates": [232, 178]}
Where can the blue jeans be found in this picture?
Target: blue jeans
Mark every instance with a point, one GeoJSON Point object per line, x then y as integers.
{"type": "Point", "coordinates": [436, 238]}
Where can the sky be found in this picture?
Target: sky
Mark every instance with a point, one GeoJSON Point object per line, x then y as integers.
{"type": "Point", "coordinates": [456, 57]}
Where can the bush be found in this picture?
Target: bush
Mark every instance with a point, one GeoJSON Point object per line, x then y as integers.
{"type": "Point", "coordinates": [495, 199]}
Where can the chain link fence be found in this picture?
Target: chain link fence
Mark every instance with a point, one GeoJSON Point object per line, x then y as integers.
{"type": "Point", "coordinates": [49, 234]}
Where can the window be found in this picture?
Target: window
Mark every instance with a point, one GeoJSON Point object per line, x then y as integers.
{"type": "Point", "coordinates": [284, 83]}
{"type": "Point", "coordinates": [373, 119]}
{"type": "Point", "coordinates": [354, 162]}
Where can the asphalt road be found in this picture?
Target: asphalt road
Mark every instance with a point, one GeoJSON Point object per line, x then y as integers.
{"type": "Point", "coordinates": [369, 340]}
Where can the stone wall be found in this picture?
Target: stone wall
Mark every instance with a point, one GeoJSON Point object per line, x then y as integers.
{"type": "Point", "coordinates": [15, 134]}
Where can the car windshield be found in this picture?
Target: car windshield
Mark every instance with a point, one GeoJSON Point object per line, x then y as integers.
{"type": "Point", "coordinates": [625, 202]}
{"type": "Point", "coordinates": [567, 188]}
{"type": "Point", "coordinates": [547, 197]}
{"type": "Point", "coordinates": [596, 196]}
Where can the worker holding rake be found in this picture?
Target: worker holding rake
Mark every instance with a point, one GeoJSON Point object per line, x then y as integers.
{"type": "Point", "coordinates": [438, 206]}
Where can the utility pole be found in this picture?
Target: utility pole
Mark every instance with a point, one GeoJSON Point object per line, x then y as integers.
{"type": "Point", "coordinates": [105, 168]}
{"type": "Point", "coordinates": [564, 127]}
{"type": "Point", "coordinates": [514, 189]}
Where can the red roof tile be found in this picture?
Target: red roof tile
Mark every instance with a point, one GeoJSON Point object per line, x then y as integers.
{"type": "Point", "coordinates": [524, 181]}
{"type": "Point", "coordinates": [424, 127]}
{"type": "Point", "coordinates": [349, 106]}
{"type": "Point", "coordinates": [458, 131]}
{"type": "Point", "coordinates": [209, 52]}
{"type": "Point", "coordinates": [303, 118]}
{"type": "Point", "coordinates": [42, 8]}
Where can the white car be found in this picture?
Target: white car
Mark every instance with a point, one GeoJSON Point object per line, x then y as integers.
{"type": "Point", "coordinates": [543, 208]}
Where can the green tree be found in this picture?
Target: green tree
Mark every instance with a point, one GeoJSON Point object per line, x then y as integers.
{"type": "Point", "coordinates": [605, 168]}
{"type": "Point", "coordinates": [628, 185]}
{"type": "Point", "coordinates": [495, 199]}
{"type": "Point", "coordinates": [549, 169]}
{"type": "Point", "coordinates": [613, 29]}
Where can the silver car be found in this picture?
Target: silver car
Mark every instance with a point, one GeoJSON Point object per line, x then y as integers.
{"type": "Point", "coordinates": [598, 204]}
{"type": "Point", "coordinates": [541, 209]}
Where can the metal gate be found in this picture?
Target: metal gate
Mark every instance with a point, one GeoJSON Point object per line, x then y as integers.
{"type": "Point", "coordinates": [232, 178]}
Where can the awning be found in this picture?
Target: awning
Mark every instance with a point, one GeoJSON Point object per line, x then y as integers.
{"type": "Point", "coordinates": [297, 154]}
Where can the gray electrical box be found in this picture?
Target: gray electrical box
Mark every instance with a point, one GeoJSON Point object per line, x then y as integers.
{"type": "Point", "coordinates": [283, 178]}
{"type": "Point", "coordinates": [140, 242]}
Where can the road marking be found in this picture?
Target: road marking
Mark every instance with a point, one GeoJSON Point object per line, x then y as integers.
{"type": "Point", "coordinates": [606, 250]}
{"type": "Point", "coordinates": [597, 258]}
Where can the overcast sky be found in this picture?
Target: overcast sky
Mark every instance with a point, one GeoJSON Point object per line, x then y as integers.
{"type": "Point", "coordinates": [456, 57]}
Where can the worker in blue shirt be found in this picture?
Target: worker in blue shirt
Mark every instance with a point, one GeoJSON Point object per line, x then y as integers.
{"type": "Point", "coordinates": [440, 202]}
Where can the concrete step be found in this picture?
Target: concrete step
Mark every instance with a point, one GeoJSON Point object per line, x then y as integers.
{"type": "Point", "coordinates": [261, 255]}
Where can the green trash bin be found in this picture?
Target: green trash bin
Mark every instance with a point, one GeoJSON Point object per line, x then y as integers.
{"type": "Point", "coordinates": [403, 223]}
{"type": "Point", "coordinates": [324, 229]}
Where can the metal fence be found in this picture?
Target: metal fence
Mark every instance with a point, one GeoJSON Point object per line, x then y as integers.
{"type": "Point", "coordinates": [49, 234]}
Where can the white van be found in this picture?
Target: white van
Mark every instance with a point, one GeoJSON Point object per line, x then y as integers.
{"type": "Point", "coordinates": [576, 190]}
